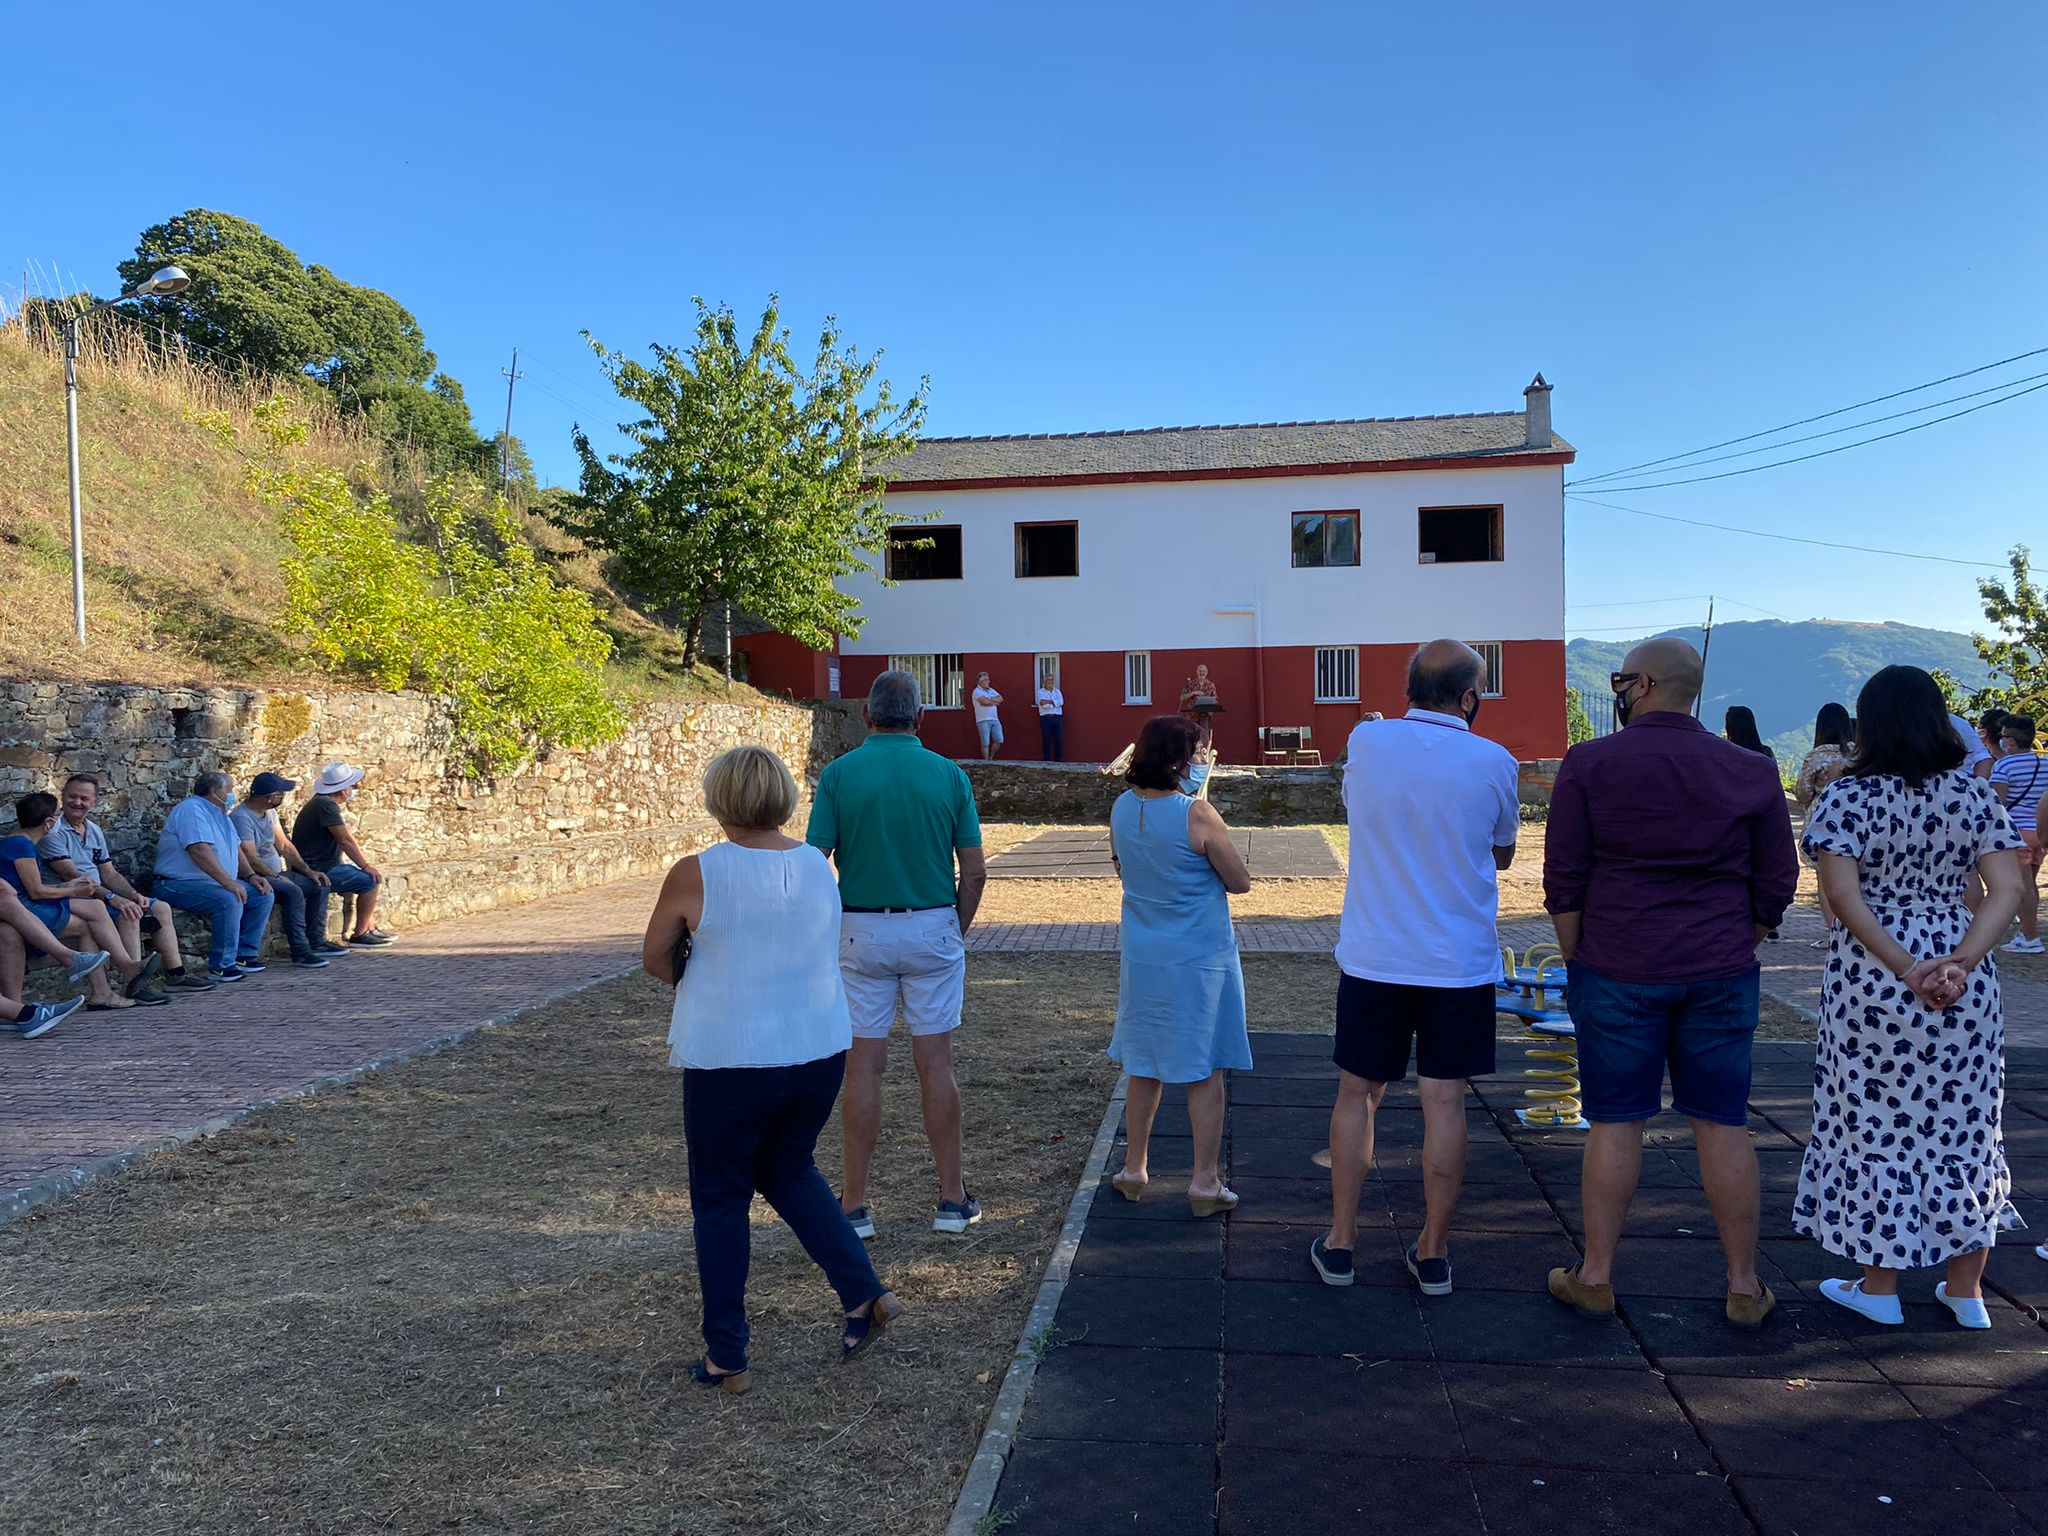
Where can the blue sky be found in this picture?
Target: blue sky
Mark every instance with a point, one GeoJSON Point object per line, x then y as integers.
{"type": "Point", "coordinates": [1697, 221]}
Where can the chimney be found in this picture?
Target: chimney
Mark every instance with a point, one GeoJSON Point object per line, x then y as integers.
{"type": "Point", "coordinates": [1536, 412]}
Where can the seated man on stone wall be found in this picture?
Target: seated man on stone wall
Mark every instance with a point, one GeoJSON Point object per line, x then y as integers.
{"type": "Point", "coordinates": [271, 854]}
{"type": "Point", "coordinates": [76, 849]}
{"type": "Point", "coordinates": [329, 848]}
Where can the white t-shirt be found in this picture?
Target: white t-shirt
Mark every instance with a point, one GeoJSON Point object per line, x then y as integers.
{"type": "Point", "coordinates": [1051, 701]}
{"type": "Point", "coordinates": [1973, 744]}
{"type": "Point", "coordinates": [1427, 802]}
{"type": "Point", "coordinates": [985, 704]}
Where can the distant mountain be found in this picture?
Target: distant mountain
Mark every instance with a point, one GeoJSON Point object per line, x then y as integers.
{"type": "Point", "coordinates": [1786, 671]}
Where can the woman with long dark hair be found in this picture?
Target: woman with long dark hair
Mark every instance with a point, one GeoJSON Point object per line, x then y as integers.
{"type": "Point", "coordinates": [1828, 761]}
{"type": "Point", "coordinates": [1180, 991]}
{"type": "Point", "coordinates": [1906, 1167]}
{"type": "Point", "coordinates": [1739, 726]}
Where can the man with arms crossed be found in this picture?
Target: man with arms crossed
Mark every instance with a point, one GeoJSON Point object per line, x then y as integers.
{"type": "Point", "coordinates": [1433, 811]}
{"type": "Point", "coordinates": [76, 849]}
{"type": "Point", "coordinates": [896, 820]}
{"type": "Point", "coordinates": [1669, 856]}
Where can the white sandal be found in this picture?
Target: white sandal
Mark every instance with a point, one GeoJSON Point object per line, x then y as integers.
{"type": "Point", "coordinates": [1850, 1294]}
{"type": "Point", "coordinates": [1969, 1310]}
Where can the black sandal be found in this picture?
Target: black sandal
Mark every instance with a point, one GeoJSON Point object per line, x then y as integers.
{"type": "Point", "coordinates": [739, 1383]}
{"type": "Point", "coordinates": [862, 1329]}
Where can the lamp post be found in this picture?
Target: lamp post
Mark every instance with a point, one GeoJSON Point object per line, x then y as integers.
{"type": "Point", "coordinates": [167, 280]}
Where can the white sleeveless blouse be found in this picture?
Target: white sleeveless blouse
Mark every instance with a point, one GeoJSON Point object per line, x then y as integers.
{"type": "Point", "coordinates": [762, 988]}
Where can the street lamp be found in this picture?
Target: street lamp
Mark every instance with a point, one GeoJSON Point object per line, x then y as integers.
{"type": "Point", "coordinates": [167, 280]}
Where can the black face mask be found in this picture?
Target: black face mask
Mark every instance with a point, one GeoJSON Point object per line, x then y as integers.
{"type": "Point", "coordinates": [1624, 706]}
{"type": "Point", "coordinates": [1472, 715]}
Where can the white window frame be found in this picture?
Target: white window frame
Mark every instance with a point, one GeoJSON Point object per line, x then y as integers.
{"type": "Point", "coordinates": [941, 678]}
{"type": "Point", "coordinates": [1038, 668]}
{"type": "Point", "coordinates": [1134, 662]}
{"type": "Point", "coordinates": [1494, 652]}
{"type": "Point", "coordinates": [1335, 666]}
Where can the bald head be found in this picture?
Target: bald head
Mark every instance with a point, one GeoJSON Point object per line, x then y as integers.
{"type": "Point", "coordinates": [1442, 673]}
{"type": "Point", "coordinates": [1671, 671]}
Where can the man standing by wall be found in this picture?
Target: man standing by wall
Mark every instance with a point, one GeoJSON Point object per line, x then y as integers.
{"type": "Point", "coordinates": [1052, 720]}
{"type": "Point", "coordinates": [321, 834]}
{"type": "Point", "coordinates": [1434, 812]}
{"type": "Point", "coordinates": [198, 864]}
{"type": "Point", "coordinates": [1669, 857]}
{"type": "Point", "coordinates": [898, 820]}
{"type": "Point", "coordinates": [988, 723]}
{"type": "Point", "coordinates": [76, 849]}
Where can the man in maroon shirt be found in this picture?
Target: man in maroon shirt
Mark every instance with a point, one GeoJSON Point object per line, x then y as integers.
{"type": "Point", "coordinates": [1668, 856]}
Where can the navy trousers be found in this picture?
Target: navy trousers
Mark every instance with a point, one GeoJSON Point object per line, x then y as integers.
{"type": "Point", "coordinates": [754, 1129]}
{"type": "Point", "coordinates": [1052, 738]}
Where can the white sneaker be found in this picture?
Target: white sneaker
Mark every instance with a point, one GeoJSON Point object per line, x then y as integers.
{"type": "Point", "coordinates": [1879, 1309]}
{"type": "Point", "coordinates": [1969, 1310]}
{"type": "Point", "coordinates": [2026, 947]}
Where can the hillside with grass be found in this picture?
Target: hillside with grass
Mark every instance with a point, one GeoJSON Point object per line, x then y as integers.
{"type": "Point", "coordinates": [182, 558]}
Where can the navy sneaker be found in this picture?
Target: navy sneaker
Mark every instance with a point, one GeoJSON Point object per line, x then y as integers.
{"type": "Point", "coordinates": [44, 1017]}
{"type": "Point", "coordinates": [250, 965]}
{"type": "Point", "coordinates": [1333, 1264]}
{"type": "Point", "coordinates": [310, 962]}
{"type": "Point", "coordinates": [329, 948]}
{"type": "Point", "coordinates": [188, 980]}
{"type": "Point", "coordinates": [862, 1222]}
{"type": "Point", "coordinates": [371, 938]}
{"type": "Point", "coordinates": [956, 1216]}
{"type": "Point", "coordinates": [230, 973]}
{"type": "Point", "coordinates": [1433, 1275]}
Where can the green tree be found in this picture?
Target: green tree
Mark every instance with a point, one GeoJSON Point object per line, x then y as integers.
{"type": "Point", "coordinates": [749, 480]}
{"type": "Point", "coordinates": [2016, 651]}
{"type": "Point", "coordinates": [522, 484]}
{"type": "Point", "coordinates": [1578, 725]}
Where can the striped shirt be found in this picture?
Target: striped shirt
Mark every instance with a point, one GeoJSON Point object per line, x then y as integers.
{"type": "Point", "coordinates": [2025, 777]}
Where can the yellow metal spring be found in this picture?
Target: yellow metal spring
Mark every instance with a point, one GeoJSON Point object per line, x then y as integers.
{"type": "Point", "coordinates": [1554, 1096]}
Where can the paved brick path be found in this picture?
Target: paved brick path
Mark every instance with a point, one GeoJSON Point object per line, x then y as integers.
{"type": "Point", "coordinates": [1200, 1379]}
{"type": "Point", "coordinates": [105, 1084]}
{"type": "Point", "coordinates": [1082, 853]}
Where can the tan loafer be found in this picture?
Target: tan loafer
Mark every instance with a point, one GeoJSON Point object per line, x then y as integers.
{"type": "Point", "coordinates": [1595, 1301]}
{"type": "Point", "coordinates": [1750, 1311]}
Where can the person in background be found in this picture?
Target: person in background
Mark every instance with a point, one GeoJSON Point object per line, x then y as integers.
{"type": "Point", "coordinates": [32, 1020]}
{"type": "Point", "coordinates": [1180, 990]}
{"type": "Point", "coordinates": [1823, 765]}
{"type": "Point", "coordinates": [68, 910]}
{"type": "Point", "coordinates": [988, 724]}
{"type": "Point", "coordinates": [1669, 856]}
{"type": "Point", "coordinates": [1990, 726]}
{"type": "Point", "coordinates": [899, 821]}
{"type": "Point", "coordinates": [1906, 1166]}
{"type": "Point", "coordinates": [20, 931]}
{"type": "Point", "coordinates": [200, 868]}
{"type": "Point", "coordinates": [2019, 778]}
{"type": "Point", "coordinates": [1739, 726]}
{"type": "Point", "coordinates": [1980, 748]}
{"type": "Point", "coordinates": [1052, 720]}
{"type": "Point", "coordinates": [328, 847]}
{"type": "Point", "coordinates": [76, 849]}
{"type": "Point", "coordinates": [266, 851]}
{"type": "Point", "coordinates": [761, 1031]}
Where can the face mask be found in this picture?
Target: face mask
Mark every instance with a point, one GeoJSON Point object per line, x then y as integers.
{"type": "Point", "coordinates": [1192, 779]}
{"type": "Point", "coordinates": [232, 802]}
{"type": "Point", "coordinates": [1623, 707]}
{"type": "Point", "coordinates": [1472, 714]}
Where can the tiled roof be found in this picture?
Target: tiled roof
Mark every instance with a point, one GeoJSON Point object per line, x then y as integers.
{"type": "Point", "coordinates": [1267, 447]}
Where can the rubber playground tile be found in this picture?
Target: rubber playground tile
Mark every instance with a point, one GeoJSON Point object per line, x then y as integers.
{"type": "Point", "coordinates": [1487, 1161]}
{"type": "Point", "coordinates": [2019, 1274]}
{"type": "Point", "coordinates": [1289, 1065]}
{"type": "Point", "coordinates": [1295, 1493]}
{"type": "Point", "coordinates": [1930, 1349]}
{"type": "Point", "coordinates": [1369, 1321]}
{"type": "Point", "coordinates": [1499, 1328]}
{"type": "Point", "coordinates": [1288, 1042]}
{"type": "Point", "coordinates": [1141, 1313]}
{"type": "Point", "coordinates": [1338, 1407]}
{"type": "Point", "coordinates": [1559, 1168]}
{"type": "Point", "coordinates": [1760, 1427]}
{"type": "Point", "coordinates": [1798, 1341]}
{"type": "Point", "coordinates": [1657, 1213]}
{"type": "Point", "coordinates": [1276, 1252]}
{"type": "Point", "coordinates": [1085, 1488]}
{"type": "Point", "coordinates": [1303, 1201]}
{"type": "Point", "coordinates": [1153, 1396]}
{"type": "Point", "coordinates": [1282, 1121]}
{"type": "Point", "coordinates": [1164, 1155]}
{"type": "Point", "coordinates": [1189, 1249]}
{"type": "Point", "coordinates": [1269, 1157]}
{"type": "Point", "coordinates": [2003, 1431]}
{"type": "Point", "coordinates": [1539, 1501]}
{"type": "Point", "coordinates": [1481, 1208]}
{"type": "Point", "coordinates": [1247, 1091]}
{"type": "Point", "coordinates": [1166, 1199]}
{"type": "Point", "coordinates": [1515, 1262]}
{"type": "Point", "coordinates": [1566, 1417]}
{"type": "Point", "coordinates": [1170, 1120]}
{"type": "Point", "coordinates": [1685, 1268]}
{"type": "Point", "coordinates": [1873, 1506]}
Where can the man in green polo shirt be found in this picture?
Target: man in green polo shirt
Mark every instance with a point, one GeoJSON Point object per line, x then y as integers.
{"type": "Point", "coordinates": [899, 822]}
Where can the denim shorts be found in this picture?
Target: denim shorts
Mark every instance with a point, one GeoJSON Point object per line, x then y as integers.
{"type": "Point", "coordinates": [990, 731]}
{"type": "Point", "coordinates": [1630, 1032]}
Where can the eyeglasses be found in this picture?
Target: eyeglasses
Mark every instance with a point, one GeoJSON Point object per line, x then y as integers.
{"type": "Point", "coordinates": [1617, 681]}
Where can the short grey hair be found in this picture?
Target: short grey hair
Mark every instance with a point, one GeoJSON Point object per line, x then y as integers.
{"type": "Point", "coordinates": [893, 702]}
{"type": "Point", "coordinates": [207, 785]}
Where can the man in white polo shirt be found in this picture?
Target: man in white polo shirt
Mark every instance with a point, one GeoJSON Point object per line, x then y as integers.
{"type": "Point", "coordinates": [1433, 811]}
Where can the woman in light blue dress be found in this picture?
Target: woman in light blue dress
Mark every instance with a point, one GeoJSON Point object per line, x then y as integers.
{"type": "Point", "coordinates": [1180, 991]}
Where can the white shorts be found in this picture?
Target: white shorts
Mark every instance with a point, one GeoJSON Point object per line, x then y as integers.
{"type": "Point", "coordinates": [916, 958]}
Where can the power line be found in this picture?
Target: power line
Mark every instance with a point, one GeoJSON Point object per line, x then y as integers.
{"type": "Point", "coordinates": [1644, 602]}
{"type": "Point", "coordinates": [1854, 426]}
{"type": "Point", "coordinates": [1807, 421]}
{"type": "Point", "coordinates": [1785, 538]}
{"type": "Point", "coordinates": [1727, 474]}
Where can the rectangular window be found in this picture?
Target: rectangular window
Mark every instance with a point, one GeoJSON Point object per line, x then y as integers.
{"type": "Point", "coordinates": [1336, 674]}
{"type": "Point", "coordinates": [1137, 677]}
{"type": "Point", "coordinates": [919, 552]}
{"type": "Point", "coordinates": [1047, 666]}
{"type": "Point", "coordinates": [1489, 651]}
{"type": "Point", "coordinates": [1325, 538]}
{"type": "Point", "coordinates": [832, 678]}
{"type": "Point", "coordinates": [1048, 549]}
{"type": "Point", "coordinates": [941, 679]}
{"type": "Point", "coordinates": [1457, 535]}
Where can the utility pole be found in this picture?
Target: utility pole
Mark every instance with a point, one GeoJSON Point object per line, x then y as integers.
{"type": "Point", "coordinates": [512, 377]}
{"type": "Point", "coordinates": [1706, 646]}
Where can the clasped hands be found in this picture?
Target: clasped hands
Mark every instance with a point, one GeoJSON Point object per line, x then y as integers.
{"type": "Point", "coordinates": [1938, 981]}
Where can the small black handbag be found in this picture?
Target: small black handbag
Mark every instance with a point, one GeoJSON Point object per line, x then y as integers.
{"type": "Point", "coordinates": [679, 957]}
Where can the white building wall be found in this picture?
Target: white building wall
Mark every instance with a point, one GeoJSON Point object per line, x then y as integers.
{"type": "Point", "coordinates": [1158, 559]}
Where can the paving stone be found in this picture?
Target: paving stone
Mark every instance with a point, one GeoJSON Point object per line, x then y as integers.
{"type": "Point", "coordinates": [1084, 1488]}
{"type": "Point", "coordinates": [1373, 1322]}
{"type": "Point", "coordinates": [1929, 1348]}
{"type": "Point", "coordinates": [1292, 1493]}
{"type": "Point", "coordinates": [1759, 1427]}
{"type": "Point", "coordinates": [1523, 1329]}
{"type": "Point", "coordinates": [2003, 1431]}
{"type": "Point", "coordinates": [1802, 1507]}
{"type": "Point", "coordinates": [1539, 1501]}
{"type": "Point", "coordinates": [1279, 1252]}
{"type": "Point", "coordinates": [1800, 1339]}
{"type": "Point", "coordinates": [1150, 1396]}
{"type": "Point", "coordinates": [1303, 1201]}
{"type": "Point", "coordinates": [1338, 1407]}
{"type": "Point", "coordinates": [1190, 1249]}
{"type": "Point", "coordinates": [1141, 1313]}
{"type": "Point", "coordinates": [1554, 1416]}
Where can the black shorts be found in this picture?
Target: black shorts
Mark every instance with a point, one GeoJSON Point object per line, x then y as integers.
{"type": "Point", "coordinates": [1449, 1028]}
